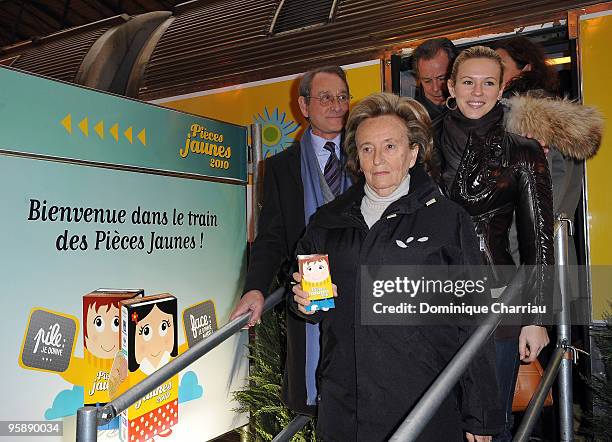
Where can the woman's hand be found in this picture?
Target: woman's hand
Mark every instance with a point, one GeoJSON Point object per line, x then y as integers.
{"type": "Point", "coordinates": [476, 438]}
{"type": "Point", "coordinates": [301, 297]}
{"type": "Point", "coordinates": [532, 340]}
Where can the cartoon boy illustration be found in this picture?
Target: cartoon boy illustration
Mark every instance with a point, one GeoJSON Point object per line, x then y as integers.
{"type": "Point", "coordinates": [101, 330]}
{"type": "Point", "coordinates": [100, 344]}
{"type": "Point", "coordinates": [316, 280]}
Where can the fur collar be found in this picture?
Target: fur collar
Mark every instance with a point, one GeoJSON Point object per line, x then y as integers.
{"type": "Point", "coordinates": [571, 128]}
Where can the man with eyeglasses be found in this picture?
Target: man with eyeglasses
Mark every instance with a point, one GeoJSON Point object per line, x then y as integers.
{"type": "Point", "coordinates": [297, 181]}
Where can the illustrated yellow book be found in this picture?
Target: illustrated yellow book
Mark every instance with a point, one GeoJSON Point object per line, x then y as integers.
{"type": "Point", "coordinates": [316, 281]}
{"type": "Point", "coordinates": [101, 340]}
{"type": "Point", "coordinates": [149, 340]}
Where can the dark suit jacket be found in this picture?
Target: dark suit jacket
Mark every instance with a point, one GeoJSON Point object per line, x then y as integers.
{"type": "Point", "coordinates": [280, 225]}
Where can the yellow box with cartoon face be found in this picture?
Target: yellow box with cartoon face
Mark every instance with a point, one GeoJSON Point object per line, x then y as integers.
{"type": "Point", "coordinates": [149, 340]}
{"type": "Point", "coordinates": [101, 340]}
{"type": "Point", "coordinates": [316, 281]}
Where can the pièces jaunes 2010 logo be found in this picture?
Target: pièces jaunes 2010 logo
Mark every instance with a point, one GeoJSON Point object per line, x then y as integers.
{"type": "Point", "coordinates": [201, 141]}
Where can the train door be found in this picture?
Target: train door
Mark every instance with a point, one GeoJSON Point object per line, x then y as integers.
{"type": "Point", "coordinates": [578, 49]}
{"type": "Point", "coordinates": [593, 29]}
{"type": "Point", "coordinates": [594, 32]}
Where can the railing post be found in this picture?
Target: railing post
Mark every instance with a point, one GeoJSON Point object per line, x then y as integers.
{"type": "Point", "coordinates": [566, 415]}
{"type": "Point", "coordinates": [87, 424]}
{"type": "Point", "coordinates": [257, 153]}
{"type": "Point", "coordinates": [537, 401]}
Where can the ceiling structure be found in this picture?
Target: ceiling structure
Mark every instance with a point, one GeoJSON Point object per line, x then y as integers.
{"type": "Point", "coordinates": [22, 20]}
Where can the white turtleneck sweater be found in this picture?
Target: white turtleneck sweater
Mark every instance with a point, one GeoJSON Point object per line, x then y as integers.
{"type": "Point", "coordinates": [373, 205]}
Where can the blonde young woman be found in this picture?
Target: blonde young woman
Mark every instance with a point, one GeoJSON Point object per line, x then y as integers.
{"type": "Point", "coordinates": [494, 175]}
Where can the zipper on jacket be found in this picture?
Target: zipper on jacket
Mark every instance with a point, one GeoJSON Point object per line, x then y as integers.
{"type": "Point", "coordinates": [359, 222]}
{"type": "Point", "coordinates": [485, 249]}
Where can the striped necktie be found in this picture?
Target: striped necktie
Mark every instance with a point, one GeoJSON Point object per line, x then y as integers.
{"type": "Point", "coordinates": [333, 169]}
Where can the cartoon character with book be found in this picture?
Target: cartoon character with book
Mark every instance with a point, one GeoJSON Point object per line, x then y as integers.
{"type": "Point", "coordinates": [100, 343]}
{"type": "Point", "coordinates": [155, 337]}
{"type": "Point", "coordinates": [316, 281]}
{"type": "Point", "coordinates": [149, 340]}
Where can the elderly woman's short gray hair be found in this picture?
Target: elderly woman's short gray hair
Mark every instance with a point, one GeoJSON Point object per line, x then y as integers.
{"type": "Point", "coordinates": [410, 111]}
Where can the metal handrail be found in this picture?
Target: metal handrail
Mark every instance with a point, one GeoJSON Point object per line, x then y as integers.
{"type": "Point", "coordinates": [537, 401]}
{"type": "Point", "coordinates": [292, 428]}
{"type": "Point", "coordinates": [561, 363]}
{"type": "Point", "coordinates": [88, 418]}
{"type": "Point", "coordinates": [423, 411]}
{"type": "Point", "coordinates": [566, 407]}
{"type": "Point", "coordinates": [420, 415]}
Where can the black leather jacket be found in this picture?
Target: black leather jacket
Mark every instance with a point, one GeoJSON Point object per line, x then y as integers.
{"type": "Point", "coordinates": [498, 175]}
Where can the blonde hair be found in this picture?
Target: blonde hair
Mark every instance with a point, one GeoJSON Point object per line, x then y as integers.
{"type": "Point", "coordinates": [477, 52]}
{"type": "Point", "coordinates": [410, 111]}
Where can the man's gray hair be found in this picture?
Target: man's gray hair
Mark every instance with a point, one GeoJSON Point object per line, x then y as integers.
{"type": "Point", "coordinates": [430, 48]}
{"type": "Point", "coordinates": [306, 81]}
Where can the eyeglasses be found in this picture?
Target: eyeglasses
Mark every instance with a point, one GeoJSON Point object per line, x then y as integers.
{"type": "Point", "coordinates": [328, 99]}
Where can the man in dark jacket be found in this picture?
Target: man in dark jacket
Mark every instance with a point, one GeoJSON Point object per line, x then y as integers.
{"type": "Point", "coordinates": [297, 181]}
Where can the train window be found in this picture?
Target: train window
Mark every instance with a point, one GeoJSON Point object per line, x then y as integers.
{"type": "Point", "coordinates": [294, 15]}
{"type": "Point", "coordinates": [558, 49]}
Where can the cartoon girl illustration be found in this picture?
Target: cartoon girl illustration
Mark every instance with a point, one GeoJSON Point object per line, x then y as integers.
{"type": "Point", "coordinates": [153, 335]}
{"type": "Point", "coordinates": [152, 342]}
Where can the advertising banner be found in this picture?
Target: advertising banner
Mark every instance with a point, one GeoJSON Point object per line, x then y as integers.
{"type": "Point", "coordinates": [272, 103]}
{"type": "Point", "coordinates": [105, 199]}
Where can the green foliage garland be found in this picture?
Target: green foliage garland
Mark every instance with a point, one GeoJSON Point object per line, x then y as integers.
{"type": "Point", "coordinates": [262, 398]}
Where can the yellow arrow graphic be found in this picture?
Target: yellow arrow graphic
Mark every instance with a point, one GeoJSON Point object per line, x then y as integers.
{"type": "Point", "coordinates": [99, 128]}
{"type": "Point", "coordinates": [67, 123]}
{"type": "Point", "coordinates": [142, 136]}
{"type": "Point", "coordinates": [83, 125]}
{"type": "Point", "coordinates": [128, 134]}
{"type": "Point", "coordinates": [114, 131]}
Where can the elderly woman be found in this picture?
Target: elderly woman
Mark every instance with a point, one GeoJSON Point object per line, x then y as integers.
{"type": "Point", "coordinates": [371, 376]}
{"type": "Point", "coordinates": [494, 174]}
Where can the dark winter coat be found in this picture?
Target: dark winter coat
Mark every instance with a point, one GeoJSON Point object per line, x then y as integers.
{"type": "Point", "coordinates": [501, 174]}
{"type": "Point", "coordinates": [567, 172]}
{"type": "Point", "coordinates": [370, 377]}
{"type": "Point", "coordinates": [281, 224]}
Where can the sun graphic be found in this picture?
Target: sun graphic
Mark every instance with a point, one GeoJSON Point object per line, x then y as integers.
{"type": "Point", "coordinates": [275, 131]}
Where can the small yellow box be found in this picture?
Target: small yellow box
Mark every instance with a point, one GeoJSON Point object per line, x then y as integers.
{"type": "Point", "coordinates": [316, 281]}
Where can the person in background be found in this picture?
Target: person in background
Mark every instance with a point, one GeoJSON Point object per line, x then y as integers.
{"type": "Point", "coordinates": [297, 181]}
{"type": "Point", "coordinates": [527, 73]}
{"type": "Point", "coordinates": [372, 375]}
{"type": "Point", "coordinates": [432, 60]}
{"type": "Point", "coordinates": [525, 68]}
